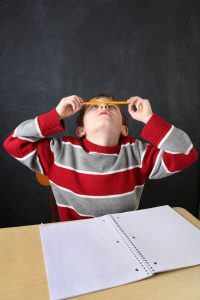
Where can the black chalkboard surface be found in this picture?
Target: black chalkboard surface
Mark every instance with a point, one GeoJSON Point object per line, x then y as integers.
{"type": "Point", "coordinates": [51, 49]}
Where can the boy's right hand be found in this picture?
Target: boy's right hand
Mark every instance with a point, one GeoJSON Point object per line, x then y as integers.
{"type": "Point", "coordinates": [68, 106]}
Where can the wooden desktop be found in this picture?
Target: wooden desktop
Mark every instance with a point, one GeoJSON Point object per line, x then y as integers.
{"type": "Point", "coordinates": [23, 275]}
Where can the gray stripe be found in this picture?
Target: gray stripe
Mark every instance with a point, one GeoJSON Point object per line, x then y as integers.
{"type": "Point", "coordinates": [177, 142]}
{"type": "Point", "coordinates": [32, 162]}
{"type": "Point", "coordinates": [28, 129]}
{"type": "Point", "coordinates": [98, 206]}
{"type": "Point", "coordinates": [77, 158]}
{"type": "Point", "coordinates": [159, 171]}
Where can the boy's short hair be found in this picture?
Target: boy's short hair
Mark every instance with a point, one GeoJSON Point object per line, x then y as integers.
{"type": "Point", "coordinates": [79, 121]}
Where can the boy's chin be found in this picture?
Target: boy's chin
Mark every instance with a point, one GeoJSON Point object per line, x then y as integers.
{"type": "Point", "coordinates": [105, 124]}
{"type": "Point", "coordinates": [104, 121]}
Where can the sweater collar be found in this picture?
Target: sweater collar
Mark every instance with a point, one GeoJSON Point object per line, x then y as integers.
{"type": "Point", "coordinates": [91, 147]}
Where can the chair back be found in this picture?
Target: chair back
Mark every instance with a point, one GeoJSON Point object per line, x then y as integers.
{"type": "Point", "coordinates": [44, 180]}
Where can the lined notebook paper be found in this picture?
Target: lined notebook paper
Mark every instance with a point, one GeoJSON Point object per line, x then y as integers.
{"type": "Point", "coordinates": [94, 254]}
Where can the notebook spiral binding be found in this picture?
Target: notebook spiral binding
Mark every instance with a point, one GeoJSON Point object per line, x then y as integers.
{"type": "Point", "coordinates": [144, 263]}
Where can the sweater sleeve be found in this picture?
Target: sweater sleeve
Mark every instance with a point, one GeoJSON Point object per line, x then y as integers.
{"type": "Point", "coordinates": [170, 149]}
{"type": "Point", "coordinates": [29, 144]}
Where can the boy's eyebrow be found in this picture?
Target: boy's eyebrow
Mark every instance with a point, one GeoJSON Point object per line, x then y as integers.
{"type": "Point", "coordinates": [104, 102]}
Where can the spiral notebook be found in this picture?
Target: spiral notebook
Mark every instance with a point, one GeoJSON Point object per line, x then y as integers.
{"type": "Point", "coordinates": [94, 254]}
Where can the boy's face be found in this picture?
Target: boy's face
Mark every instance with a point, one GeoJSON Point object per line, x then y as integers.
{"type": "Point", "coordinates": [101, 116]}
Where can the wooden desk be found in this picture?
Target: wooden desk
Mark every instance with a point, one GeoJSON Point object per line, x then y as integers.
{"type": "Point", "coordinates": [23, 275]}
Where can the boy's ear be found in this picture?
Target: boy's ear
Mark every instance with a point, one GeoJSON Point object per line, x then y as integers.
{"type": "Point", "coordinates": [80, 131]}
{"type": "Point", "coordinates": [124, 131]}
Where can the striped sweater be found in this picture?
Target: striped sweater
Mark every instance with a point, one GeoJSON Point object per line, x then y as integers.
{"type": "Point", "coordinates": [89, 180]}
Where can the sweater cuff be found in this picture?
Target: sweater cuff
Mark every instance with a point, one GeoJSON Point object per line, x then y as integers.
{"type": "Point", "coordinates": [155, 130]}
{"type": "Point", "coordinates": [50, 123]}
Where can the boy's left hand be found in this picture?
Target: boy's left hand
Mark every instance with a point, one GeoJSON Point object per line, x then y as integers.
{"type": "Point", "coordinates": [142, 111]}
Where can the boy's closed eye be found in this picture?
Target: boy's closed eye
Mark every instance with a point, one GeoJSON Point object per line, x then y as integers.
{"type": "Point", "coordinates": [92, 107]}
{"type": "Point", "coordinates": [96, 106]}
{"type": "Point", "coordinates": [112, 106]}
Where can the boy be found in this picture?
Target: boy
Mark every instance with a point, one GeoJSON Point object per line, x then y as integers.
{"type": "Point", "coordinates": [104, 171]}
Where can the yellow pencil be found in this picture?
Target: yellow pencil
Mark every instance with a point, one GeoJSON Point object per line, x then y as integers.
{"type": "Point", "coordinates": [105, 102]}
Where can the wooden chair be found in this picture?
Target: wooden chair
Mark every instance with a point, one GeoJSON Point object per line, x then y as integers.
{"type": "Point", "coordinates": [43, 180]}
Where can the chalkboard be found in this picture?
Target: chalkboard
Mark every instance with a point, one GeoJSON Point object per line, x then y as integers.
{"type": "Point", "coordinates": [51, 49]}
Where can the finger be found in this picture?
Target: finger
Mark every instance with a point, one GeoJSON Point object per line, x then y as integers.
{"type": "Point", "coordinates": [132, 105]}
{"type": "Point", "coordinates": [78, 102]}
{"type": "Point", "coordinates": [73, 104]}
{"type": "Point", "coordinates": [78, 99]}
{"type": "Point", "coordinates": [140, 107]}
{"type": "Point", "coordinates": [134, 98]}
{"type": "Point", "coordinates": [133, 101]}
{"type": "Point", "coordinates": [137, 103]}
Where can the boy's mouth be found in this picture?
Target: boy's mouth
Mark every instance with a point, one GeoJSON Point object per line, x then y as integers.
{"type": "Point", "coordinates": [104, 113]}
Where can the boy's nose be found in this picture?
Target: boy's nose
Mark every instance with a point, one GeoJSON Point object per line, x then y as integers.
{"type": "Point", "coordinates": [103, 105]}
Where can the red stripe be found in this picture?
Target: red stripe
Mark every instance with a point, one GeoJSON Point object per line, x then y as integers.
{"type": "Point", "coordinates": [17, 147]}
{"type": "Point", "coordinates": [50, 123]}
{"type": "Point", "coordinates": [177, 162]}
{"type": "Point", "coordinates": [20, 148]}
{"type": "Point", "coordinates": [45, 155]}
{"type": "Point", "coordinates": [68, 214]}
{"type": "Point", "coordinates": [97, 185]}
{"type": "Point", "coordinates": [155, 130]}
{"type": "Point", "coordinates": [149, 159]}
{"type": "Point", "coordinates": [78, 142]}
{"type": "Point", "coordinates": [173, 162]}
